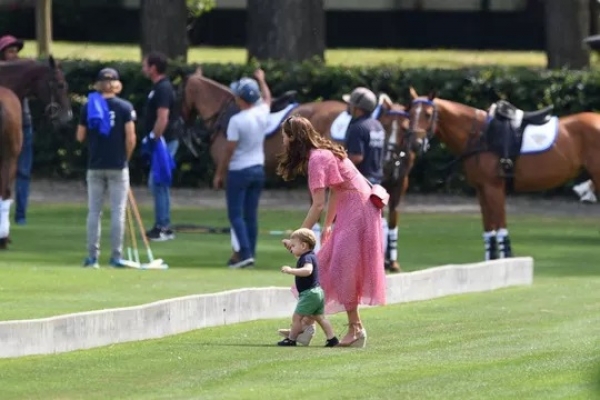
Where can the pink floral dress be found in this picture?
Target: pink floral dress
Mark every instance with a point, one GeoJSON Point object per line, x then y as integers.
{"type": "Point", "coordinates": [350, 263]}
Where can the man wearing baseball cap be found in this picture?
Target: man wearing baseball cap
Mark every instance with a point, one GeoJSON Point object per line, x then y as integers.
{"type": "Point", "coordinates": [10, 47]}
{"type": "Point", "coordinates": [243, 165]}
{"type": "Point", "coordinates": [365, 136]}
{"type": "Point", "coordinates": [365, 141]}
{"type": "Point", "coordinates": [107, 125]}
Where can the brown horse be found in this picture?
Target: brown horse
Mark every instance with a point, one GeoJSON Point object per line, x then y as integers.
{"type": "Point", "coordinates": [214, 104]}
{"type": "Point", "coordinates": [11, 140]}
{"type": "Point", "coordinates": [42, 80]}
{"type": "Point", "coordinates": [25, 78]}
{"type": "Point", "coordinates": [550, 152]}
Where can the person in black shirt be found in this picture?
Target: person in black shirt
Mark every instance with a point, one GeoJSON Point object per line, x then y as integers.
{"type": "Point", "coordinates": [311, 301]}
{"type": "Point", "coordinates": [108, 124]}
{"type": "Point", "coordinates": [159, 120]}
{"type": "Point", "coordinates": [365, 137]}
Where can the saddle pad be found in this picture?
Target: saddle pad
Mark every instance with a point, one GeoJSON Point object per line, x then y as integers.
{"type": "Point", "coordinates": [340, 124]}
{"type": "Point", "coordinates": [275, 119]}
{"type": "Point", "coordinates": [539, 138]}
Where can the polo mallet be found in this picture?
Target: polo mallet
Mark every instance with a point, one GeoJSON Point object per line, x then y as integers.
{"type": "Point", "coordinates": [133, 255]}
{"type": "Point", "coordinates": [152, 263]}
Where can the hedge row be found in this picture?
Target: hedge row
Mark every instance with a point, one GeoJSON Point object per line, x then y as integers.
{"type": "Point", "coordinates": [569, 91]}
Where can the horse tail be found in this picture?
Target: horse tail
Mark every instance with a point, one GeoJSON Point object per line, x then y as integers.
{"type": "Point", "coordinates": [1, 118]}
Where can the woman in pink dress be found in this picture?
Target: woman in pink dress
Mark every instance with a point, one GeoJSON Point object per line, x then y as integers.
{"type": "Point", "coordinates": [350, 258]}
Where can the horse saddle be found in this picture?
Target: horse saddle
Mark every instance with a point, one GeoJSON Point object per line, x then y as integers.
{"type": "Point", "coordinates": [539, 117]}
{"type": "Point", "coordinates": [281, 102]}
{"type": "Point", "coordinates": [504, 133]}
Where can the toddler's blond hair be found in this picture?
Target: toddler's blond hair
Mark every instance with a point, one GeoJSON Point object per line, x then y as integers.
{"type": "Point", "coordinates": [305, 235]}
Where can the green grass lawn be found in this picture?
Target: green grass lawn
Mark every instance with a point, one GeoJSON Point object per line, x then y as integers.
{"type": "Point", "coordinates": [41, 274]}
{"type": "Point", "coordinates": [407, 58]}
{"type": "Point", "coordinates": [518, 343]}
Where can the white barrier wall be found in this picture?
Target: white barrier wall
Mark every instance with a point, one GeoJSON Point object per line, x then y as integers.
{"type": "Point", "coordinates": [169, 317]}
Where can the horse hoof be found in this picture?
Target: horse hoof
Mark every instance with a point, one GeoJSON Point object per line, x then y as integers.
{"type": "Point", "coordinates": [395, 267]}
{"type": "Point", "coordinates": [4, 243]}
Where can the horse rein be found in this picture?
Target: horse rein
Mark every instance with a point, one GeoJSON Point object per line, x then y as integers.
{"type": "Point", "coordinates": [210, 122]}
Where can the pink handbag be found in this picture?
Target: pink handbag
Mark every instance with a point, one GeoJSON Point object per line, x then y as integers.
{"type": "Point", "coordinates": [379, 196]}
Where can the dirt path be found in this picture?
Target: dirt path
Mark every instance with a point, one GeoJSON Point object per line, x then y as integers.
{"type": "Point", "coordinates": [47, 191]}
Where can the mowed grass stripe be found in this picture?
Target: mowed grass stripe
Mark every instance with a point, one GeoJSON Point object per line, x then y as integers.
{"type": "Point", "coordinates": [42, 276]}
{"type": "Point", "coordinates": [536, 342]}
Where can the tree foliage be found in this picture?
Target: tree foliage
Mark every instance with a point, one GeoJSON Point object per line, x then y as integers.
{"type": "Point", "coordinates": [198, 7]}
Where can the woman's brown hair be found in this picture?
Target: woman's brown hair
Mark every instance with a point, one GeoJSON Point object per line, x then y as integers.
{"type": "Point", "coordinates": [303, 138]}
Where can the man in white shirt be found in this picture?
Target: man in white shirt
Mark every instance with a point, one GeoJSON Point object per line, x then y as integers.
{"type": "Point", "coordinates": [243, 162]}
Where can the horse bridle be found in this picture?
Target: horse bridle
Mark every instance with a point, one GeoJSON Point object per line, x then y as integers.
{"type": "Point", "coordinates": [473, 139]}
{"type": "Point", "coordinates": [430, 130]}
{"type": "Point", "coordinates": [53, 108]}
{"type": "Point", "coordinates": [401, 149]}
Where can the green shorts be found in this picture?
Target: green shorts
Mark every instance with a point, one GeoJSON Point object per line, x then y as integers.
{"type": "Point", "coordinates": [311, 302]}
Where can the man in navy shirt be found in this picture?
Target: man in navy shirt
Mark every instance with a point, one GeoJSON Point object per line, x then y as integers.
{"type": "Point", "coordinates": [159, 119]}
{"type": "Point", "coordinates": [111, 140]}
{"type": "Point", "coordinates": [365, 141]}
{"type": "Point", "coordinates": [365, 136]}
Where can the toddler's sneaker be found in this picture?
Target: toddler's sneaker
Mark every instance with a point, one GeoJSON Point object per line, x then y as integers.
{"type": "Point", "coordinates": [286, 342]}
{"type": "Point", "coordinates": [303, 338]}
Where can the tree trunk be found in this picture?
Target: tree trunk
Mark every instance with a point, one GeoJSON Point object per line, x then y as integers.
{"type": "Point", "coordinates": [289, 30]}
{"type": "Point", "coordinates": [567, 25]}
{"type": "Point", "coordinates": [164, 28]}
{"type": "Point", "coordinates": [594, 15]}
{"type": "Point", "coordinates": [43, 27]}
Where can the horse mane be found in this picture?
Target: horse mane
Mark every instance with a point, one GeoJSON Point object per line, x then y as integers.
{"type": "Point", "coordinates": [19, 62]}
{"type": "Point", "coordinates": [384, 98]}
{"type": "Point", "coordinates": [453, 104]}
{"type": "Point", "coordinates": [212, 83]}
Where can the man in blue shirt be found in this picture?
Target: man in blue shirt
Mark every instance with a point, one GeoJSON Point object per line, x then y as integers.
{"type": "Point", "coordinates": [365, 136]}
{"type": "Point", "coordinates": [365, 141]}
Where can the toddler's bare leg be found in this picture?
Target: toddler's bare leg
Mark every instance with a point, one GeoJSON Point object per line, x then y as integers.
{"type": "Point", "coordinates": [296, 327]}
{"type": "Point", "coordinates": [325, 325]}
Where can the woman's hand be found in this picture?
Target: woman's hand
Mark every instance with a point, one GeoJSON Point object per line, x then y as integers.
{"type": "Point", "coordinates": [326, 234]}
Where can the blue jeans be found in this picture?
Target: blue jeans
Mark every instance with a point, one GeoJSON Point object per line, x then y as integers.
{"type": "Point", "coordinates": [243, 191]}
{"type": "Point", "coordinates": [162, 194]}
{"type": "Point", "coordinates": [24, 175]}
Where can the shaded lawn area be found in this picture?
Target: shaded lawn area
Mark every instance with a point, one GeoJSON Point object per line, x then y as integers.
{"type": "Point", "coordinates": [408, 58]}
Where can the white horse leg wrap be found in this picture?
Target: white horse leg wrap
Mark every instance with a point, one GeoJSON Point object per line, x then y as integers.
{"type": "Point", "coordinates": [4, 218]}
{"type": "Point", "coordinates": [393, 239]}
